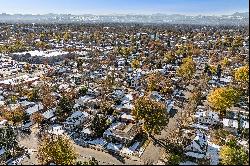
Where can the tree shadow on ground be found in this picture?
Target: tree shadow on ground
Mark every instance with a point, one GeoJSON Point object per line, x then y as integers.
{"type": "Point", "coordinates": [118, 157]}
{"type": "Point", "coordinates": [172, 113]}
{"type": "Point", "coordinates": [167, 145]}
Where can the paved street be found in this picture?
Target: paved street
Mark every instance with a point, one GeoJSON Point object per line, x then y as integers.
{"type": "Point", "coordinates": [153, 152]}
{"type": "Point", "coordinates": [84, 153]}
{"type": "Point", "coordinates": [103, 158]}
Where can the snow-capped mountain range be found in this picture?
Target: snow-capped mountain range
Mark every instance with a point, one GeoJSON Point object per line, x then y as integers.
{"type": "Point", "coordinates": [233, 19]}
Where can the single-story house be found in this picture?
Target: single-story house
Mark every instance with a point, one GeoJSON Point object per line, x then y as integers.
{"type": "Point", "coordinates": [198, 146]}
{"type": "Point", "coordinates": [121, 132]}
{"type": "Point", "coordinates": [76, 119]}
{"type": "Point", "coordinates": [207, 117]}
{"type": "Point", "coordinates": [230, 125]}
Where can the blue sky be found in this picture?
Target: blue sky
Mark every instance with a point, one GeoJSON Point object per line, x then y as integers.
{"type": "Point", "coordinates": [190, 7]}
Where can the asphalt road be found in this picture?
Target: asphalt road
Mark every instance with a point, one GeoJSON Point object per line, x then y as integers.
{"type": "Point", "coordinates": [84, 153]}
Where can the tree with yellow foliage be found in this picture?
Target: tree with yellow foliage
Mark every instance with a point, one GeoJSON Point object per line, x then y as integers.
{"type": "Point", "coordinates": [27, 67]}
{"type": "Point", "coordinates": [232, 154]}
{"type": "Point", "coordinates": [125, 51]}
{"type": "Point", "coordinates": [225, 62]}
{"type": "Point", "coordinates": [187, 69]}
{"type": "Point", "coordinates": [66, 36]}
{"type": "Point", "coordinates": [242, 75]}
{"type": "Point", "coordinates": [152, 113]}
{"type": "Point", "coordinates": [56, 149]}
{"type": "Point", "coordinates": [152, 82]}
{"type": "Point", "coordinates": [135, 64]}
{"type": "Point", "coordinates": [16, 115]}
{"type": "Point", "coordinates": [169, 57]}
{"type": "Point", "coordinates": [222, 98]}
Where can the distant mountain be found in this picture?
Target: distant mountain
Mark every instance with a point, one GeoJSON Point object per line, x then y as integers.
{"type": "Point", "coordinates": [245, 14]}
{"type": "Point", "coordinates": [233, 19]}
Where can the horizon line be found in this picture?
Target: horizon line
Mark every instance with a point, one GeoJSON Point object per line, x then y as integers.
{"type": "Point", "coordinates": [124, 14]}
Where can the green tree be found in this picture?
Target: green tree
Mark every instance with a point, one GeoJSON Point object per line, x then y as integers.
{"type": "Point", "coordinates": [56, 149]}
{"type": "Point", "coordinates": [82, 91]}
{"type": "Point", "coordinates": [99, 125]}
{"type": "Point", "coordinates": [33, 95]}
{"type": "Point", "coordinates": [79, 63]}
{"type": "Point", "coordinates": [65, 104]}
{"type": "Point", "coordinates": [8, 138]}
{"type": "Point", "coordinates": [152, 113]}
{"type": "Point", "coordinates": [174, 159]}
{"type": "Point", "coordinates": [64, 108]}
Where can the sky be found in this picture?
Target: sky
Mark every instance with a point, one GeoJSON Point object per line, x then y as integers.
{"type": "Point", "coordinates": [188, 7]}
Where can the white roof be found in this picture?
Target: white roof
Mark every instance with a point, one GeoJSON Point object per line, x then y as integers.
{"type": "Point", "coordinates": [2, 122]}
{"type": "Point", "coordinates": [226, 79]}
{"type": "Point", "coordinates": [112, 127]}
{"type": "Point", "coordinates": [2, 151]}
{"type": "Point", "coordinates": [127, 97]}
{"type": "Point", "coordinates": [199, 126]}
{"type": "Point", "coordinates": [56, 129]}
{"type": "Point", "coordinates": [48, 53]}
{"type": "Point", "coordinates": [243, 143]}
{"type": "Point", "coordinates": [27, 125]}
{"type": "Point", "coordinates": [49, 114]}
{"type": "Point", "coordinates": [63, 86]}
{"type": "Point", "coordinates": [76, 118]}
{"type": "Point", "coordinates": [34, 109]}
{"type": "Point", "coordinates": [199, 141]}
{"type": "Point", "coordinates": [126, 116]}
{"type": "Point", "coordinates": [127, 105]}
{"type": "Point", "coordinates": [127, 151]}
{"type": "Point", "coordinates": [131, 149]}
{"type": "Point", "coordinates": [83, 99]}
{"type": "Point", "coordinates": [1, 103]}
{"type": "Point", "coordinates": [86, 131]}
{"type": "Point", "coordinates": [213, 115]}
{"type": "Point", "coordinates": [213, 153]}
{"type": "Point", "coordinates": [26, 103]}
{"type": "Point", "coordinates": [78, 114]}
{"type": "Point", "coordinates": [15, 80]}
{"type": "Point", "coordinates": [200, 114]}
{"type": "Point", "coordinates": [119, 93]}
{"type": "Point", "coordinates": [114, 147]}
{"type": "Point", "coordinates": [230, 123]}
